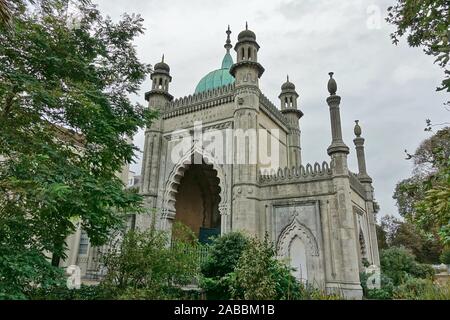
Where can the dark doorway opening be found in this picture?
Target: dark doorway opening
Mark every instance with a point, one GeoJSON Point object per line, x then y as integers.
{"type": "Point", "coordinates": [197, 201]}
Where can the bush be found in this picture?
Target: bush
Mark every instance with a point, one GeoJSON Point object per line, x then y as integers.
{"type": "Point", "coordinates": [146, 265]}
{"type": "Point", "coordinates": [260, 276]}
{"type": "Point", "coordinates": [399, 264]}
{"type": "Point", "coordinates": [86, 292]}
{"type": "Point", "coordinates": [386, 289]}
{"type": "Point", "coordinates": [223, 256]}
{"type": "Point", "coordinates": [445, 256]}
{"type": "Point", "coordinates": [422, 289]}
{"type": "Point", "coordinates": [383, 293]}
{"type": "Point", "coordinates": [309, 292]}
{"type": "Point", "coordinates": [422, 271]}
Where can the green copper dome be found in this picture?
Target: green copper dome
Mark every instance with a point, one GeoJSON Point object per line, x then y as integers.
{"type": "Point", "coordinates": [217, 78]}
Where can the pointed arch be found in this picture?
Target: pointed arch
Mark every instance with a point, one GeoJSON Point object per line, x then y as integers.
{"type": "Point", "coordinates": [177, 173]}
{"type": "Point", "coordinates": [293, 230]}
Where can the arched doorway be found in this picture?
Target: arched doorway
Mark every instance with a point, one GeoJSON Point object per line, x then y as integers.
{"type": "Point", "coordinates": [197, 201]}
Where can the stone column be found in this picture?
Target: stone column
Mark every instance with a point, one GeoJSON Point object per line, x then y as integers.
{"type": "Point", "coordinates": [366, 181]}
{"type": "Point", "coordinates": [344, 247]}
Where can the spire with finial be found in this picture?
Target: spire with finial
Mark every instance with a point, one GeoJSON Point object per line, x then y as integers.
{"type": "Point", "coordinates": [162, 59]}
{"type": "Point", "coordinates": [332, 85]}
{"type": "Point", "coordinates": [246, 25]}
{"type": "Point", "coordinates": [287, 78]}
{"type": "Point", "coordinates": [228, 45]}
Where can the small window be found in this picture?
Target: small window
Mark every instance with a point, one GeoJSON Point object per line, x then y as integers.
{"type": "Point", "coordinates": [84, 243]}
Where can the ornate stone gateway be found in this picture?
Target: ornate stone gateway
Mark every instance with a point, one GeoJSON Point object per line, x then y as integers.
{"type": "Point", "coordinates": [308, 210]}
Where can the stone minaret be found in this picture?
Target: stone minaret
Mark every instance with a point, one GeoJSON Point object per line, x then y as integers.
{"type": "Point", "coordinates": [366, 181]}
{"type": "Point", "coordinates": [359, 146]}
{"type": "Point", "coordinates": [344, 266]}
{"type": "Point", "coordinates": [157, 99]}
{"type": "Point", "coordinates": [246, 72]}
{"type": "Point", "coordinates": [289, 108]}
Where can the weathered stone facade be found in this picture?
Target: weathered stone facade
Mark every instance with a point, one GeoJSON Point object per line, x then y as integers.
{"type": "Point", "coordinates": [319, 216]}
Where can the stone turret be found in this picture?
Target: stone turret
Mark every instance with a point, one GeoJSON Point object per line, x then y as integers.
{"type": "Point", "coordinates": [288, 98]}
{"type": "Point", "coordinates": [157, 98]}
{"type": "Point", "coordinates": [246, 71]}
{"type": "Point", "coordinates": [160, 83]}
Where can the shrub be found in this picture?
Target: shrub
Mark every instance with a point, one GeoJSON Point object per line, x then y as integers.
{"type": "Point", "coordinates": [309, 292]}
{"type": "Point", "coordinates": [259, 275]}
{"type": "Point", "coordinates": [445, 256]}
{"type": "Point", "coordinates": [423, 271]}
{"type": "Point", "coordinates": [145, 265]}
{"type": "Point", "coordinates": [86, 292]}
{"type": "Point", "coordinates": [399, 264]}
{"type": "Point", "coordinates": [223, 256]}
{"type": "Point", "coordinates": [386, 289]}
{"type": "Point", "coordinates": [422, 289]}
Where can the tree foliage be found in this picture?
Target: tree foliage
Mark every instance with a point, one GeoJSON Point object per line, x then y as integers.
{"type": "Point", "coordinates": [399, 264]}
{"type": "Point", "coordinates": [65, 115]}
{"type": "Point", "coordinates": [424, 199]}
{"type": "Point", "coordinates": [424, 23]}
{"type": "Point", "coordinates": [405, 234]}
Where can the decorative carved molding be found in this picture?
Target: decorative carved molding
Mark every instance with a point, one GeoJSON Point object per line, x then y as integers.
{"type": "Point", "coordinates": [296, 229]}
{"type": "Point", "coordinates": [188, 132]}
{"type": "Point", "coordinates": [271, 109]}
{"type": "Point", "coordinates": [199, 101]}
{"type": "Point", "coordinates": [288, 175]}
{"type": "Point", "coordinates": [356, 185]}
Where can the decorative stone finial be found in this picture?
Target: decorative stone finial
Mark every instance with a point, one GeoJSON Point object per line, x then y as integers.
{"type": "Point", "coordinates": [228, 45]}
{"type": "Point", "coordinates": [246, 25]}
{"type": "Point", "coordinates": [357, 129]}
{"type": "Point", "coordinates": [287, 78]}
{"type": "Point", "coordinates": [332, 85]}
{"type": "Point", "coordinates": [162, 59]}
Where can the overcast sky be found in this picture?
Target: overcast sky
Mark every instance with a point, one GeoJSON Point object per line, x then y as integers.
{"type": "Point", "coordinates": [390, 89]}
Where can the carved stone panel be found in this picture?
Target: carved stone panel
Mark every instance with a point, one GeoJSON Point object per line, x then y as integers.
{"type": "Point", "coordinates": [296, 230]}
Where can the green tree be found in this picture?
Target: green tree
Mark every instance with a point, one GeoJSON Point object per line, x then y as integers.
{"type": "Point", "coordinates": [405, 234]}
{"type": "Point", "coordinates": [381, 237]}
{"type": "Point", "coordinates": [424, 199]}
{"type": "Point", "coordinates": [65, 115]}
{"type": "Point", "coordinates": [425, 24]}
